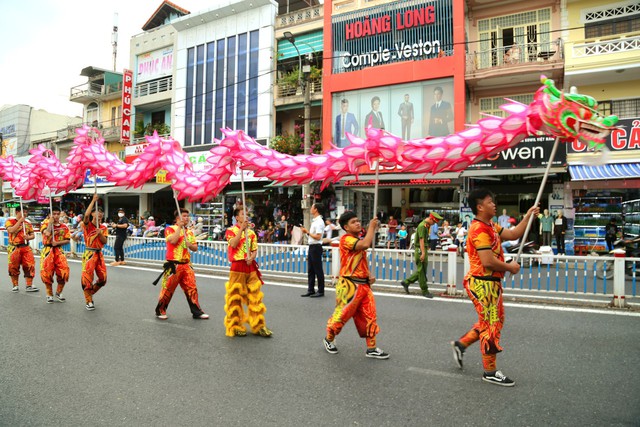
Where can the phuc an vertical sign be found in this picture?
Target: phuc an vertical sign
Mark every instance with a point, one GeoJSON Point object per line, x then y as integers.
{"type": "Point", "coordinates": [127, 90]}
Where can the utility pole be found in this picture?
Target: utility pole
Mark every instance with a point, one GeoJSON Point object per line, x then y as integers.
{"type": "Point", "coordinates": [306, 189]}
{"type": "Point", "coordinates": [114, 39]}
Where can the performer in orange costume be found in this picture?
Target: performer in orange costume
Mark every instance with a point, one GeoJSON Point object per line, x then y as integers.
{"type": "Point", "coordinates": [52, 258]}
{"type": "Point", "coordinates": [20, 253]}
{"type": "Point", "coordinates": [245, 282]}
{"type": "Point", "coordinates": [177, 269]}
{"type": "Point", "coordinates": [95, 238]}
{"type": "Point", "coordinates": [483, 282]}
{"type": "Point", "coordinates": [354, 298]}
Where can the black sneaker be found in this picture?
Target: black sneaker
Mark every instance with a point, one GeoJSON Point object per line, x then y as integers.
{"type": "Point", "coordinates": [458, 352]}
{"type": "Point", "coordinates": [405, 285]}
{"type": "Point", "coordinates": [377, 353]}
{"type": "Point", "coordinates": [428, 295]}
{"type": "Point", "coordinates": [498, 378]}
{"type": "Point", "coordinates": [330, 346]}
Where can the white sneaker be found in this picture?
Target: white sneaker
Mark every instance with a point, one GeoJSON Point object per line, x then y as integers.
{"type": "Point", "coordinates": [201, 316]}
{"type": "Point", "coordinates": [32, 289]}
{"type": "Point", "coordinates": [49, 300]}
{"type": "Point", "coordinates": [60, 297]}
{"type": "Point", "coordinates": [15, 289]}
{"type": "Point", "coordinates": [162, 316]}
{"type": "Point", "coordinates": [90, 306]}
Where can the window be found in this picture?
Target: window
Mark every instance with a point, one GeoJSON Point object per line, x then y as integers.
{"type": "Point", "coordinates": [92, 114]}
{"type": "Point", "coordinates": [527, 33]}
{"type": "Point", "coordinates": [116, 112]}
{"type": "Point", "coordinates": [626, 108]}
{"type": "Point", "coordinates": [611, 27]}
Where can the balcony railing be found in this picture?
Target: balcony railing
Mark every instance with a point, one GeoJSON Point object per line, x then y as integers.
{"type": "Point", "coordinates": [286, 89]}
{"type": "Point", "coordinates": [528, 53]}
{"type": "Point", "coordinates": [300, 16]}
{"type": "Point", "coordinates": [154, 87]}
{"type": "Point", "coordinates": [92, 90]}
{"type": "Point", "coordinates": [604, 47]}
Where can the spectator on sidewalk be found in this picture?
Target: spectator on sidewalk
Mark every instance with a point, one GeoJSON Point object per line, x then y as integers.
{"type": "Point", "coordinates": [314, 267]}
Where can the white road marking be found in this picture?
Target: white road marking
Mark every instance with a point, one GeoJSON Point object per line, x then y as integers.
{"type": "Point", "coordinates": [440, 299]}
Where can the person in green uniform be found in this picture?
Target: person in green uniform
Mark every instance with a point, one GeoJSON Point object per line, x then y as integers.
{"type": "Point", "coordinates": [420, 255]}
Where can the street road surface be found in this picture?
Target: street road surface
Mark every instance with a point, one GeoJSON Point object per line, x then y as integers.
{"type": "Point", "coordinates": [64, 366]}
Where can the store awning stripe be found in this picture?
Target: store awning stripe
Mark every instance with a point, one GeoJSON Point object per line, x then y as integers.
{"type": "Point", "coordinates": [604, 172]}
{"type": "Point", "coordinates": [306, 43]}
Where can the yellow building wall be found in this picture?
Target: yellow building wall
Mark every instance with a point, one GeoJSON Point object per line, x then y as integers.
{"type": "Point", "coordinates": [575, 41]}
{"type": "Point", "coordinates": [611, 91]}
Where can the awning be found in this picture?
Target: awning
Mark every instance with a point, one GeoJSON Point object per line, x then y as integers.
{"type": "Point", "coordinates": [306, 43]}
{"type": "Point", "coordinates": [239, 192]}
{"type": "Point", "coordinates": [518, 171]}
{"type": "Point", "coordinates": [148, 188]}
{"type": "Point", "coordinates": [604, 172]}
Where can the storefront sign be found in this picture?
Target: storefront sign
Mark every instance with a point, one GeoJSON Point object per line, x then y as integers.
{"type": "Point", "coordinates": [362, 38]}
{"type": "Point", "coordinates": [127, 87]}
{"type": "Point", "coordinates": [161, 177]}
{"type": "Point", "coordinates": [625, 137]}
{"type": "Point", "coordinates": [100, 181]}
{"type": "Point", "coordinates": [154, 65]}
{"type": "Point", "coordinates": [410, 183]}
{"type": "Point", "coordinates": [131, 152]}
{"type": "Point", "coordinates": [532, 152]}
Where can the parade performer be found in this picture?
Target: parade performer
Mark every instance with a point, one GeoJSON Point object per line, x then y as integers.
{"type": "Point", "coordinates": [483, 282]}
{"type": "Point", "coordinates": [52, 259]}
{"type": "Point", "coordinates": [95, 236]}
{"type": "Point", "coordinates": [177, 268]}
{"type": "Point", "coordinates": [245, 282]}
{"type": "Point", "coordinates": [421, 255]}
{"type": "Point", "coordinates": [354, 298]}
{"type": "Point", "coordinates": [20, 253]}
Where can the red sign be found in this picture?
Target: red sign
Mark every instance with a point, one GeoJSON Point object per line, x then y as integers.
{"type": "Point", "coordinates": [411, 182]}
{"type": "Point", "coordinates": [625, 137]}
{"type": "Point", "coordinates": [370, 26]}
{"type": "Point", "coordinates": [127, 90]}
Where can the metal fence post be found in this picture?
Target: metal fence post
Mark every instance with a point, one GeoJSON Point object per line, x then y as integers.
{"type": "Point", "coordinates": [618, 278]}
{"type": "Point", "coordinates": [452, 262]}
{"type": "Point", "coordinates": [335, 262]}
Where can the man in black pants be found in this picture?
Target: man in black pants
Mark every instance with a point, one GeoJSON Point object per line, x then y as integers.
{"type": "Point", "coordinates": [121, 235]}
{"type": "Point", "coordinates": [315, 253]}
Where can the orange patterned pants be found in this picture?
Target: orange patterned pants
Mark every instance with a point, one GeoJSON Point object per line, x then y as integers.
{"type": "Point", "coordinates": [93, 262]}
{"type": "Point", "coordinates": [21, 256]}
{"type": "Point", "coordinates": [186, 278]}
{"type": "Point", "coordinates": [243, 288]}
{"type": "Point", "coordinates": [357, 302]}
{"type": "Point", "coordinates": [486, 296]}
{"type": "Point", "coordinates": [53, 261]}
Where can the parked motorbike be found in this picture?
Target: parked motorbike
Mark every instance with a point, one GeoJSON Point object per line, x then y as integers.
{"type": "Point", "coordinates": [632, 249]}
{"type": "Point", "coordinates": [216, 232]}
{"type": "Point", "coordinates": [530, 248]}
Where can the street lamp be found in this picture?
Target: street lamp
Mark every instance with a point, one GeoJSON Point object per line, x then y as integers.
{"type": "Point", "coordinates": [304, 84]}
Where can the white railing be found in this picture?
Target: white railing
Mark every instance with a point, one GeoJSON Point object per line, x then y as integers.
{"type": "Point", "coordinates": [154, 87]}
{"type": "Point", "coordinates": [300, 16]}
{"type": "Point", "coordinates": [606, 47]}
{"type": "Point", "coordinates": [558, 275]}
{"type": "Point", "coordinates": [528, 53]}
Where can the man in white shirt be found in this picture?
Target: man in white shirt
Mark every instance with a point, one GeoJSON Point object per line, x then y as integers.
{"type": "Point", "coordinates": [315, 253]}
{"type": "Point", "coordinates": [503, 219]}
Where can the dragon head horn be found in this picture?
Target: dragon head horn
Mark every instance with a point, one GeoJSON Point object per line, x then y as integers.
{"type": "Point", "coordinates": [551, 86]}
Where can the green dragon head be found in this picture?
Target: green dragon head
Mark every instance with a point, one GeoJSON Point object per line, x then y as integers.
{"type": "Point", "coordinates": [570, 116]}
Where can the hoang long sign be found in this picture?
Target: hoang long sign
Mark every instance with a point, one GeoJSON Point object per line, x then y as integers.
{"type": "Point", "coordinates": [394, 32]}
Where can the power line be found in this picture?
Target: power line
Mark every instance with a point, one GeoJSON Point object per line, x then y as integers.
{"type": "Point", "coordinates": [450, 45]}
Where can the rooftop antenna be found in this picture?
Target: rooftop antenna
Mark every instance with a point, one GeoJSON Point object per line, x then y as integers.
{"type": "Point", "coordinates": [114, 39]}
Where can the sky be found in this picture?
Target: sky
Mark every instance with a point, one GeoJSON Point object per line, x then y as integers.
{"type": "Point", "coordinates": [46, 44]}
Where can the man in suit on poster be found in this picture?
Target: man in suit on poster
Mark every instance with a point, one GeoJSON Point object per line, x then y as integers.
{"type": "Point", "coordinates": [374, 117]}
{"type": "Point", "coordinates": [345, 122]}
{"type": "Point", "coordinates": [405, 111]}
{"type": "Point", "coordinates": [441, 115]}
